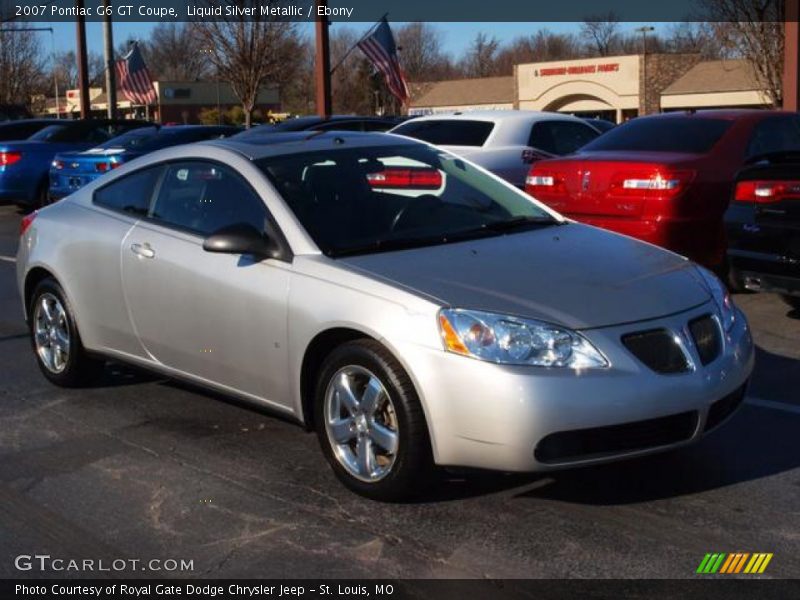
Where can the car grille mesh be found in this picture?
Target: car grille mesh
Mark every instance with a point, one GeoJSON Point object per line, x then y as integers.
{"type": "Point", "coordinates": [657, 349]}
{"type": "Point", "coordinates": [706, 335]}
{"type": "Point", "coordinates": [582, 444]}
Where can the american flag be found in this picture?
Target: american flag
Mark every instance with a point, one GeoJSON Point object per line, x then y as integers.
{"type": "Point", "coordinates": [133, 78]}
{"type": "Point", "coordinates": [381, 51]}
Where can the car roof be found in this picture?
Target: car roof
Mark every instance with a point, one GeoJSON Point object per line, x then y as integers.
{"type": "Point", "coordinates": [721, 113]}
{"type": "Point", "coordinates": [14, 122]}
{"type": "Point", "coordinates": [277, 144]}
{"type": "Point", "coordinates": [498, 115]}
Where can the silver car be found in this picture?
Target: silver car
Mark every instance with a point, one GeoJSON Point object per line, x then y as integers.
{"type": "Point", "coordinates": [410, 307]}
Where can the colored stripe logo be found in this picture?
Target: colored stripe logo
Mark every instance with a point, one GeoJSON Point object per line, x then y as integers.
{"type": "Point", "coordinates": [736, 562]}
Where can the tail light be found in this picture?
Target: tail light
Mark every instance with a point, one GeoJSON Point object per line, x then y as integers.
{"type": "Point", "coordinates": [655, 182]}
{"type": "Point", "coordinates": [57, 164]}
{"type": "Point", "coordinates": [764, 192]}
{"type": "Point", "coordinates": [544, 182]}
{"type": "Point", "coordinates": [26, 222]}
{"type": "Point", "coordinates": [102, 167]}
{"type": "Point", "coordinates": [406, 178]}
{"type": "Point", "coordinates": [8, 158]}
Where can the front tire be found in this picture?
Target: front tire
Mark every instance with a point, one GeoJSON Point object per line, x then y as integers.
{"type": "Point", "coordinates": [55, 339]}
{"type": "Point", "coordinates": [370, 423]}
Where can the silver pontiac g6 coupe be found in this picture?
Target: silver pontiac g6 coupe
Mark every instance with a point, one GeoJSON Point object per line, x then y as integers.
{"type": "Point", "coordinates": [410, 307]}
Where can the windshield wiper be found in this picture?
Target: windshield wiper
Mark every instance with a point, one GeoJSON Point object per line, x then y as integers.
{"type": "Point", "coordinates": [487, 229]}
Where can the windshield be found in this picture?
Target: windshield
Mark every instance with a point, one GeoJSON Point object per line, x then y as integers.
{"type": "Point", "coordinates": [693, 135]}
{"type": "Point", "coordinates": [48, 132]}
{"type": "Point", "coordinates": [133, 140]}
{"type": "Point", "coordinates": [372, 199]}
{"type": "Point", "coordinates": [447, 132]}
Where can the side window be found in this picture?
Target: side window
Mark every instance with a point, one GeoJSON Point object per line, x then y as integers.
{"type": "Point", "coordinates": [560, 137]}
{"type": "Point", "coordinates": [130, 194]}
{"type": "Point", "coordinates": [97, 135]}
{"type": "Point", "coordinates": [340, 126]}
{"type": "Point", "coordinates": [202, 197]}
{"type": "Point", "coordinates": [775, 134]}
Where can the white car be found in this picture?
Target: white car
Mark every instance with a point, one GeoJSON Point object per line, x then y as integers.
{"type": "Point", "coordinates": [504, 142]}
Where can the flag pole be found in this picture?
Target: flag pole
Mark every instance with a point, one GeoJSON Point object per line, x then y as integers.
{"type": "Point", "coordinates": [361, 39]}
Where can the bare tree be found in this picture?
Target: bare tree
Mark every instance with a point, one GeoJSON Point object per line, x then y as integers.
{"type": "Point", "coordinates": [421, 52]}
{"type": "Point", "coordinates": [249, 52]}
{"type": "Point", "coordinates": [544, 45]}
{"type": "Point", "coordinates": [352, 88]}
{"type": "Point", "coordinates": [65, 70]}
{"type": "Point", "coordinates": [480, 60]}
{"type": "Point", "coordinates": [696, 38]}
{"type": "Point", "coordinates": [21, 66]}
{"type": "Point", "coordinates": [601, 33]}
{"type": "Point", "coordinates": [175, 52]}
{"type": "Point", "coordinates": [753, 29]}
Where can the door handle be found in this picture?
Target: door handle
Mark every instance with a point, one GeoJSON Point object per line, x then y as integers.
{"type": "Point", "coordinates": [143, 250]}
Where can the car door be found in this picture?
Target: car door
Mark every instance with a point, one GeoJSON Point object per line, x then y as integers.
{"type": "Point", "coordinates": [217, 317]}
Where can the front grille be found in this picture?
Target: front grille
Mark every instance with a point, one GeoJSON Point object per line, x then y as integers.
{"type": "Point", "coordinates": [722, 409]}
{"type": "Point", "coordinates": [706, 335]}
{"type": "Point", "coordinates": [658, 350]}
{"type": "Point", "coordinates": [581, 444]}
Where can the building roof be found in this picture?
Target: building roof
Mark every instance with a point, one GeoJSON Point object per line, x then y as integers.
{"type": "Point", "coordinates": [735, 75]}
{"type": "Point", "coordinates": [464, 92]}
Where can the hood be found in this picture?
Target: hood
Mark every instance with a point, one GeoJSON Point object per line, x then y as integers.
{"type": "Point", "coordinates": [574, 275]}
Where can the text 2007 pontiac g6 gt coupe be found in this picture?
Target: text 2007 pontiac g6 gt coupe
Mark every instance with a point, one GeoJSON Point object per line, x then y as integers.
{"type": "Point", "coordinates": [409, 306]}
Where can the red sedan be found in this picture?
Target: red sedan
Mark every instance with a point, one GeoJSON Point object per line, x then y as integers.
{"type": "Point", "coordinates": [665, 179]}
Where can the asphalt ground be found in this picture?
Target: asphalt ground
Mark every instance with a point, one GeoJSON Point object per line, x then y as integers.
{"type": "Point", "coordinates": [138, 467]}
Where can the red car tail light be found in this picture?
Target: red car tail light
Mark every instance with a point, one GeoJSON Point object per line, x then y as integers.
{"type": "Point", "coordinates": [544, 182]}
{"type": "Point", "coordinates": [650, 182]}
{"type": "Point", "coordinates": [406, 178]}
{"type": "Point", "coordinates": [26, 222]}
{"type": "Point", "coordinates": [765, 192]}
{"type": "Point", "coordinates": [8, 158]}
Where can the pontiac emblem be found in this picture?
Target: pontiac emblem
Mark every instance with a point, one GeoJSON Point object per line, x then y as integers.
{"type": "Point", "coordinates": [585, 180]}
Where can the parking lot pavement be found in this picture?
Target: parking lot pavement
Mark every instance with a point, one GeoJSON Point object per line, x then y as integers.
{"type": "Point", "coordinates": [138, 467]}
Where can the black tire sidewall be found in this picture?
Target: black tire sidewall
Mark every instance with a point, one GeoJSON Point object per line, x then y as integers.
{"type": "Point", "coordinates": [79, 366]}
{"type": "Point", "coordinates": [413, 460]}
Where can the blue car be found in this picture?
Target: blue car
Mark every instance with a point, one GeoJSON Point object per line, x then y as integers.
{"type": "Point", "coordinates": [24, 165]}
{"type": "Point", "coordinates": [70, 171]}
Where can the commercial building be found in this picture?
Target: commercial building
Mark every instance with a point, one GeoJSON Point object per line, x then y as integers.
{"type": "Point", "coordinates": [176, 101]}
{"type": "Point", "coordinates": [613, 87]}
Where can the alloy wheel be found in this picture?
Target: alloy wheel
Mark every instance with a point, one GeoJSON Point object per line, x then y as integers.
{"type": "Point", "coordinates": [51, 333]}
{"type": "Point", "coordinates": [361, 423]}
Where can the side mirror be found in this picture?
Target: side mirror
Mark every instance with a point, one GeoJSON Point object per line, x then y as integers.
{"type": "Point", "coordinates": [242, 238]}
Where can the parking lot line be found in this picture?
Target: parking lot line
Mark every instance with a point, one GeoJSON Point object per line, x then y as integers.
{"type": "Point", "coordinates": [10, 259]}
{"type": "Point", "coordinates": [791, 408]}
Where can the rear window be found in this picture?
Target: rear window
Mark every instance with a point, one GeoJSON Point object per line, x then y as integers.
{"type": "Point", "coordinates": [447, 132]}
{"type": "Point", "coordinates": [775, 134]}
{"type": "Point", "coordinates": [693, 135]}
{"type": "Point", "coordinates": [560, 137]}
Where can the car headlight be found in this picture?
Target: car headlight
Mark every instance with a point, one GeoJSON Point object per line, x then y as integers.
{"type": "Point", "coordinates": [515, 341]}
{"type": "Point", "coordinates": [722, 298]}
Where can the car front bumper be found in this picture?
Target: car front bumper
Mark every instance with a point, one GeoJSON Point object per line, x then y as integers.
{"type": "Point", "coordinates": [513, 418]}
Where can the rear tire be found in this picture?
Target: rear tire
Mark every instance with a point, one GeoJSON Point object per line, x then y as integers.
{"type": "Point", "coordinates": [365, 404]}
{"type": "Point", "coordinates": [55, 339]}
{"type": "Point", "coordinates": [42, 195]}
{"type": "Point", "coordinates": [793, 301]}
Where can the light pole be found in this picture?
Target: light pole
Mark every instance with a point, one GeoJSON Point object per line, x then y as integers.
{"type": "Point", "coordinates": [644, 31]}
